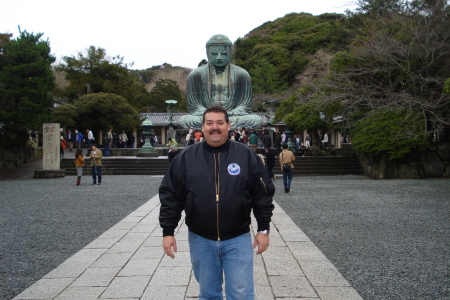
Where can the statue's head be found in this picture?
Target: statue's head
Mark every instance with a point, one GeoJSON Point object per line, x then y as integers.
{"type": "Point", "coordinates": [218, 50]}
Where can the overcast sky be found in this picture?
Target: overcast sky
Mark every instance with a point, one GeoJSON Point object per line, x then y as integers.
{"type": "Point", "coordinates": [148, 32]}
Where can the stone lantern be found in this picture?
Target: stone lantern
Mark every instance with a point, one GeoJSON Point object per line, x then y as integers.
{"type": "Point", "coordinates": [147, 149]}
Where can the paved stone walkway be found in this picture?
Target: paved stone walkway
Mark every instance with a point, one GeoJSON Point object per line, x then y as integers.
{"type": "Point", "coordinates": [127, 262]}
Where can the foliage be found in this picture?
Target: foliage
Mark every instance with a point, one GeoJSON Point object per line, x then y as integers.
{"type": "Point", "coordinates": [287, 43]}
{"type": "Point", "coordinates": [265, 78]}
{"type": "Point", "coordinates": [388, 131]}
{"type": "Point", "coordinates": [98, 111]}
{"type": "Point", "coordinates": [165, 89]}
{"type": "Point", "coordinates": [95, 72]}
{"type": "Point", "coordinates": [26, 82]}
{"type": "Point", "coordinates": [395, 68]}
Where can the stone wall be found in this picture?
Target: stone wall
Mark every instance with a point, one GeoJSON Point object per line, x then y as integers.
{"type": "Point", "coordinates": [14, 157]}
{"type": "Point", "coordinates": [433, 163]}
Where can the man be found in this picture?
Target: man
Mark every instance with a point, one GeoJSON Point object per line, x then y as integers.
{"type": "Point", "coordinates": [287, 157]}
{"type": "Point", "coordinates": [78, 138]}
{"type": "Point", "coordinates": [96, 165]}
{"type": "Point", "coordinates": [219, 82]}
{"type": "Point", "coordinates": [70, 140]}
{"type": "Point", "coordinates": [267, 141]}
{"type": "Point", "coordinates": [172, 142]}
{"type": "Point", "coordinates": [217, 183]}
{"type": "Point", "coordinates": [106, 144]}
{"type": "Point", "coordinates": [270, 163]}
{"type": "Point", "coordinates": [90, 138]}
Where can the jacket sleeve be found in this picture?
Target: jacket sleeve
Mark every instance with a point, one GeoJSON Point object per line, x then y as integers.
{"type": "Point", "coordinates": [172, 196]}
{"type": "Point", "coordinates": [262, 193]}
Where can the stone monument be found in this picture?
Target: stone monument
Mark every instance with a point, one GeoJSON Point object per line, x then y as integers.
{"type": "Point", "coordinates": [219, 83]}
{"type": "Point", "coordinates": [51, 152]}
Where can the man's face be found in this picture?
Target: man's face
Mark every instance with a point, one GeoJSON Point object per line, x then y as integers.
{"type": "Point", "coordinates": [94, 148]}
{"type": "Point", "coordinates": [215, 129]}
{"type": "Point", "coordinates": [219, 55]}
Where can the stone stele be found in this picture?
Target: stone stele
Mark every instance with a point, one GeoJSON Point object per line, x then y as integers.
{"type": "Point", "coordinates": [50, 147]}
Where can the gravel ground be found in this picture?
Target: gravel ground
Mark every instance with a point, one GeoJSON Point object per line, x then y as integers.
{"type": "Point", "coordinates": [389, 238]}
{"type": "Point", "coordinates": [45, 221]}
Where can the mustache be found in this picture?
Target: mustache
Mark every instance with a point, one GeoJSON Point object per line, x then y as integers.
{"type": "Point", "coordinates": [215, 131]}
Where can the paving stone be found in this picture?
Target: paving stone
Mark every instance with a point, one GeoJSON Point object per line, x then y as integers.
{"type": "Point", "coordinates": [112, 260]}
{"type": "Point", "coordinates": [263, 293]}
{"type": "Point", "coordinates": [81, 293]}
{"type": "Point", "coordinates": [291, 233]}
{"type": "Point", "coordinates": [132, 219]}
{"type": "Point", "coordinates": [148, 253]}
{"type": "Point", "coordinates": [113, 233]}
{"type": "Point", "coordinates": [144, 228]}
{"type": "Point", "coordinates": [182, 259]}
{"type": "Point", "coordinates": [164, 292]}
{"type": "Point", "coordinates": [291, 286]}
{"type": "Point", "coordinates": [45, 289]}
{"type": "Point", "coordinates": [69, 269]}
{"type": "Point", "coordinates": [102, 243]}
{"type": "Point", "coordinates": [153, 241]}
{"type": "Point", "coordinates": [96, 277]}
{"type": "Point", "coordinates": [140, 267]}
{"type": "Point", "coordinates": [171, 276]}
{"type": "Point", "coordinates": [126, 287]}
{"type": "Point", "coordinates": [87, 255]}
{"type": "Point", "coordinates": [337, 293]}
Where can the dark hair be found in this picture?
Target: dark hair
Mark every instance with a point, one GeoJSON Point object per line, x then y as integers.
{"type": "Point", "coordinates": [78, 153]}
{"type": "Point", "coordinates": [217, 109]}
{"type": "Point", "coordinates": [285, 146]}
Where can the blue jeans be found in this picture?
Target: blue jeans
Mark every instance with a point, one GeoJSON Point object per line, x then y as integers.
{"type": "Point", "coordinates": [97, 171]}
{"type": "Point", "coordinates": [233, 257]}
{"type": "Point", "coordinates": [106, 148]}
{"type": "Point", "coordinates": [287, 179]}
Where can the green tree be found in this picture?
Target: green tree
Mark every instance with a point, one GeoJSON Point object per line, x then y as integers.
{"type": "Point", "coordinates": [164, 89]}
{"type": "Point", "coordinates": [395, 68]}
{"type": "Point", "coordinates": [26, 80]}
{"type": "Point", "coordinates": [99, 111]}
{"type": "Point", "coordinates": [95, 72]}
{"type": "Point", "coordinates": [265, 78]}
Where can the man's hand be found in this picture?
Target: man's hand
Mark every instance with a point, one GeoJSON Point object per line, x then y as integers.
{"type": "Point", "coordinates": [262, 241]}
{"type": "Point", "coordinates": [169, 245]}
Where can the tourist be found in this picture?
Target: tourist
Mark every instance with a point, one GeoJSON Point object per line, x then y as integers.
{"type": "Point", "coordinates": [70, 139]}
{"type": "Point", "coordinates": [267, 141]}
{"type": "Point", "coordinates": [278, 142]}
{"type": "Point", "coordinates": [79, 164]}
{"type": "Point", "coordinates": [172, 142]}
{"type": "Point", "coordinates": [106, 144]}
{"type": "Point", "coordinates": [78, 139]}
{"type": "Point", "coordinates": [96, 165]}
{"type": "Point", "coordinates": [89, 138]}
{"type": "Point", "coordinates": [270, 163]}
{"type": "Point", "coordinates": [62, 146]}
{"type": "Point", "coordinates": [307, 141]}
{"type": "Point", "coordinates": [172, 153]}
{"type": "Point", "coordinates": [253, 140]}
{"type": "Point", "coordinates": [233, 176]}
{"type": "Point", "coordinates": [123, 139]}
{"type": "Point", "coordinates": [287, 158]}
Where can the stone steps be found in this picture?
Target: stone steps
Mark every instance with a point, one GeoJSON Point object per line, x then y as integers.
{"type": "Point", "coordinates": [303, 166]}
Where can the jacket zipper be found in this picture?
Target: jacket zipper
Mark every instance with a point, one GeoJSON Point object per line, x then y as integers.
{"type": "Point", "coordinates": [216, 177]}
{"type": "Point", "coordinates": [262, 181]}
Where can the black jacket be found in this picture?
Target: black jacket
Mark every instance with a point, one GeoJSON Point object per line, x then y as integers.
{"type": "Point", "coordinates": [217, 187]}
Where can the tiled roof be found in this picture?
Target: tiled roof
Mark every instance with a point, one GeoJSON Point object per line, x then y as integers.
{"type": "Point", "coordinates": [160, 119]}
